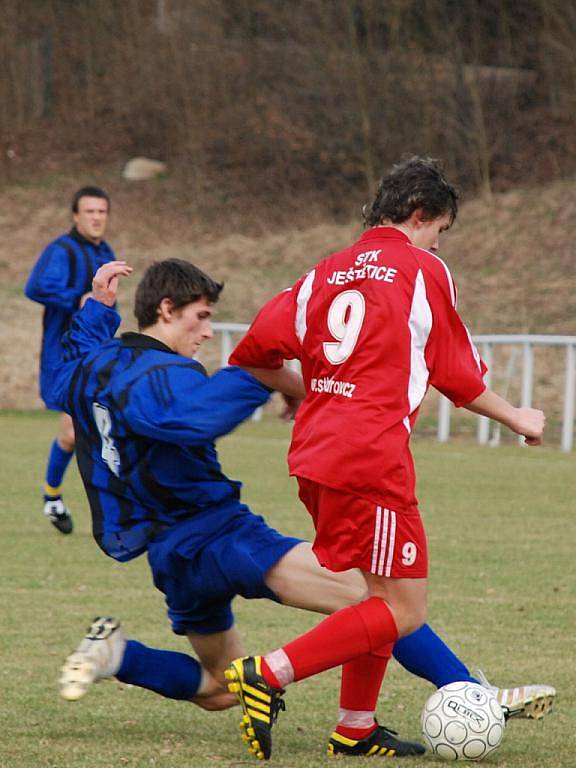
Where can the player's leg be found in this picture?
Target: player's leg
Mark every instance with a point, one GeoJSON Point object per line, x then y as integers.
{"type": "Point", "coordinates": [300, 581]}
{"type": "Point", "coordinates": [358, 733]}
{"type": "Point", "coordinates": [350, 531]}
{"type": "Point", "coordinates": [392, 607]}
{"type": "Point", "coordinates": [176, 675]}
{"type": "Point", "coordinates": [61, 453]}
{"type": "Point", "coordinates": [425, 654]}
{"type": "Point", "coordinates": [392, 554]}
{"type": "Point", "coordinates": [215, 652]}
{"type": "Point", "coordinates": [351, 632]}
{"type": "Point", "coordinates": [105, 652]}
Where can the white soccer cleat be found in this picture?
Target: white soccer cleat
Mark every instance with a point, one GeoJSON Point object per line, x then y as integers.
{"type": "Point", "coordinates": [98, 656]}
{"type": "Point", "coordinates": [531, 701]}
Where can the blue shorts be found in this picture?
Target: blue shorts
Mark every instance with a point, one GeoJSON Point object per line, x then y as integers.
{"type": "Point", "coordinates": [200, 572]}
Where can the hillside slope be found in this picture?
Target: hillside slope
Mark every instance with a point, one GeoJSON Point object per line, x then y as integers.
{"type": "Point", "coordinates": [513, 259]}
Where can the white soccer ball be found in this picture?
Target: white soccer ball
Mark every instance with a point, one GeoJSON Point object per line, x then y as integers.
{"type": "Point", "coordinates": [462, 721]}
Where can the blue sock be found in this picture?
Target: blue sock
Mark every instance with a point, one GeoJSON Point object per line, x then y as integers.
{"type": "Point", "coordinates": [169, 673]}
{"type": "Point", "coordinates": [58, 461]}
{"type": "Point", "coordinates": [426, 655]}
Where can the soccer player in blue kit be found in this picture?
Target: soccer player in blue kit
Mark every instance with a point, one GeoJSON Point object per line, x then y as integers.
{"type": "Point", "coordinates": [146, 416]}
{"type": "Point", "coordinates": [61, 281]}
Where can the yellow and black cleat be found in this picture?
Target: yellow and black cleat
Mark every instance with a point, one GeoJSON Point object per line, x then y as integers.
{"type": "Point", "coordinates": [260, 704]}
{"type": "Point", "coordinates": [381, 742]}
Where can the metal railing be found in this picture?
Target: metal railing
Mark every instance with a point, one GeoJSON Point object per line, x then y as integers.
{"type": "Point", "coordinates": [525, 344]}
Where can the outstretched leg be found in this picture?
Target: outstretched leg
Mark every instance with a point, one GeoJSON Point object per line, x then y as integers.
{"type": "Point", "coordinates": [105, 653]}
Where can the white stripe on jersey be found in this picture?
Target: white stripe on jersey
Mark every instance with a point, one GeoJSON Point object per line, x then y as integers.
{"type": "Point", "coordinates": [302, 305]}
{"type": "Point", "coordinates": [453, 297]}
{"type": "Point", "coordinates": [474, 350]}
{"type": "Point", "coordinates": [451, 285]}
{"type": "Point", "coordinates": [420, 324]}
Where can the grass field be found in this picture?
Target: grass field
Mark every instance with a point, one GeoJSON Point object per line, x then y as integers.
{"type": "Point", "coordinates": [502, 533]}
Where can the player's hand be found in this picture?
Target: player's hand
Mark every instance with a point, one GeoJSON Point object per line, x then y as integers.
{"type": "Point", "coordinates": [105, 283]}
{"type": "Point", "coordinates": [215, 702]}
{"type": "Point", "coordinates": [530, 422]}
{"type": "Point", "coordinates": [291, 405]}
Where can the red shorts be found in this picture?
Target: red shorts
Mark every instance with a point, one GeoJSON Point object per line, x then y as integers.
{"type": "Point", "coordinates": [353, 532]}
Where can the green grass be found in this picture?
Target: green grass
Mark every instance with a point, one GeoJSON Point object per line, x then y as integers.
{"type": "Point", "coordinates": [501, 530]}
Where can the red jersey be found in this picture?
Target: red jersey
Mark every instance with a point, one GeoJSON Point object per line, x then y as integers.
{"type": "Point", "coordinates": [373, 326]}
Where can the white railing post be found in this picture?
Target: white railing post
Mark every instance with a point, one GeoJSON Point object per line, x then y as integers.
{"type": "Point", "coordinates": [569, 395]}
{"type": "Point", "coordinates": [527, 379]}
{"type": "Point", "coordinates": [443, 419]}
{"type": "Point", "coordinates": [483, 431]}
{"type": "Point", "coordinates": [517, 341]}
{"type": "Point", "coordinates": [225, 347]}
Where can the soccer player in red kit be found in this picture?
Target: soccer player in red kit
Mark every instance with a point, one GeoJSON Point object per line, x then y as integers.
{"type": "Point", "coordinates": [373, 326]}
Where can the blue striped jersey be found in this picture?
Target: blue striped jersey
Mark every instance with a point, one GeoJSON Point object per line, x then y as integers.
{"type": "Point", "coordinates": [146, 420]}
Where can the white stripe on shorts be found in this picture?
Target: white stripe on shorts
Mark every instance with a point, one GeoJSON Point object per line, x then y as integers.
{"type": "Point", "coordinates": [375, 546]}
{"type": "Point", "coordinates": [391, 542]}
{"type": "Point", "coordinates": [384, 540]}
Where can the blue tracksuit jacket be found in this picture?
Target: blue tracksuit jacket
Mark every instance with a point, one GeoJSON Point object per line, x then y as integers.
{"type": "Point", "coordinates": [62, 274]}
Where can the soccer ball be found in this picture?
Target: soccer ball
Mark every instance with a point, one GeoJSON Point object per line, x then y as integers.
{"type": "Point", "coordinates": [462, 721]}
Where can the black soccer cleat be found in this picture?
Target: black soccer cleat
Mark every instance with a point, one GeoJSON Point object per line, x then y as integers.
{"type": "Point", "coordinates": [260, 704]}
{"type": "Point", "coordinates": [380, 742]}
{"type": "Point", "coordinates": [58, 514]}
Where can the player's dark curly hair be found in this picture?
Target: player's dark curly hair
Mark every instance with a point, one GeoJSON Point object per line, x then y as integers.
{"type": "Point", "coordinates": [174, 279]}
{"type": "Point", "coordinates": [417, 182]}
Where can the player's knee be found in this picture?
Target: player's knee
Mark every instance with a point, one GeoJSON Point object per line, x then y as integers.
{"type": "Point", "coordinates": [409, 615]}
{"type": "Point", "coordinates": [66, 439]}
{"type": "Point", "coordinates": [414, 619]}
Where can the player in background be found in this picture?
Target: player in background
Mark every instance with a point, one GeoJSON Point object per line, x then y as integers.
{"type": "Point", "coordinates": [61, 280]}
{"type": "Point", "coordinates": [118, 470]}
{"type": "Point", "coordinates": [373, 327]}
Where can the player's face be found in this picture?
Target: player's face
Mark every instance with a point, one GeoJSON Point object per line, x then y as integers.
{"type": "Point", "coordinates": [426, 234]}
{"type": "Point", "coordinates": [191, 326]}
{"type": "Point", "coordinates": [91, 218]}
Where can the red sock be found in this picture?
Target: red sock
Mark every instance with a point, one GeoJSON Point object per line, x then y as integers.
{"type": "Point", "coordinates": [347, 634]}
{"type": "Point", "coordinates": [359, 689]}
{"type": "Point", "coordinates": [361, 682]}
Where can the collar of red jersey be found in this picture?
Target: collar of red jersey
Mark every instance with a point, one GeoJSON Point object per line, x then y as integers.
{"type": "Point", "coordinates": [384, 233]}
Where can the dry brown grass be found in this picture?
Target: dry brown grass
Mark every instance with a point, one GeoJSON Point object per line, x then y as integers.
{"type": "Point", "coordinates": [513, 259]}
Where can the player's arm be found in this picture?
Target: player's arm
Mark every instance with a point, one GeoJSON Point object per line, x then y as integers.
{"type": "Point", "coordinates": [270, 340]}
{"type": "Point", "coordinates": [48, 283]}
{"type": "Point", "coordinates": [454, 364]}
{"type": "Point", "coordinates": [528, 422]}
{"type": "Point", "coordinates": [95, 324]}
{"type": "Point", "coordinates": [98, 321]}
{"type": "Point", "coordinates": [458, 371]}
{"type": "Point", "coordinates": [284, 380]}
{"type": "Point", "coordinates": [180, 404]}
